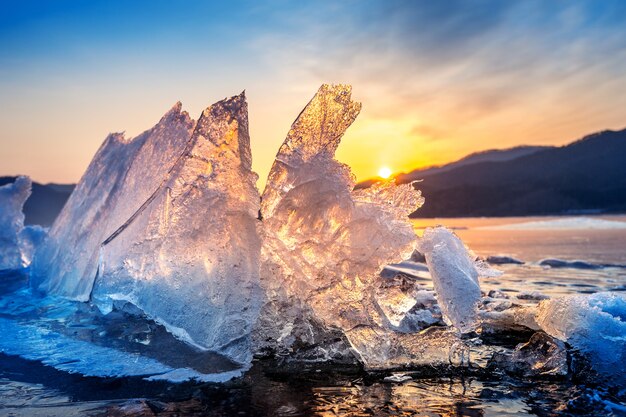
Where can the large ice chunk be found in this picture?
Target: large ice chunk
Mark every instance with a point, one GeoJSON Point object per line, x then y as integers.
{"type": "Point", "coordinates": [593, 324]}
{"type": "Point", "coordinates": [12, 199]}
{"type": "Point", "coordinates": [454, 275]}
{"type": "Point", "coordinates": [122, 176]}
{"type": "Point", "coordinates": [324, 243]}
{"type": "Point", "coordinates": [189, 257]}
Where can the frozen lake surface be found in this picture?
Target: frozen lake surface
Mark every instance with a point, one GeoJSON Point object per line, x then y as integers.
{"type": "Point", "coordinates": [30, 388]}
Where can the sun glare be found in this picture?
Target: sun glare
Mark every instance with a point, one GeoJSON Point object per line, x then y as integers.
{"type": "Point", "coordinates": [384, 172]}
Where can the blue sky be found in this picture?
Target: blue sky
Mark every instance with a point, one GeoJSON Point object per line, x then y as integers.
{"type": "Point", "coordinates": [437, 79]}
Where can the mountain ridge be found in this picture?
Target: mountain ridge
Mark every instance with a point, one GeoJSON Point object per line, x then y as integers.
{"type": "Point", "coordinates": [588, 174]}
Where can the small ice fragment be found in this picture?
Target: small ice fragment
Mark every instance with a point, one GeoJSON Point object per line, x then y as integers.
{"type": "Point", "coordinates": [497, 294]}
{"type": "Point", "coordinates": [542, 355]}
{"type": "Point", "coordinates": [30, 238]}
{"type": "Point", "coordinates": [398, 378]}
{"type": "Point", "coordinates": [454, 275]}
{"type": "Point", "coordinates": [594, 325]}
{"type": "Point", "coordinates": [12, 199]}
{"type": "Point", "coordinates": [503, 260]}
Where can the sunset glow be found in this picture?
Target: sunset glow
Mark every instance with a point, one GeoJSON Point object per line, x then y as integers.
{"type": "Point", "coordinates": [433, 82]}
{"type": "Point", "coordinates": [384, 172]}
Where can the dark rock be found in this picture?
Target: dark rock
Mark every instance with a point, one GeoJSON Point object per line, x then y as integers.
{"type": "Point", "coordinates": [503, 260]}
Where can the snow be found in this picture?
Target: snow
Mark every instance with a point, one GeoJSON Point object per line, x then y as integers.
{"type": "Point", "coordinates": [567, 223]}
{"type": "Point", "coordinates": [12, 199]}
{"type": "Point", "coordinates": [189, 258]}
{"type": "Point", "coordinates": [594, 325]}
{"type": "Point", "coordinates": [454, 275]}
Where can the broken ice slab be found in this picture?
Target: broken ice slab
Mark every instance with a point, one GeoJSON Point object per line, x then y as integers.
{"type": "Point", "coordinates": [74, 337]}
{"type": "Point", "coordinates": [12, 199]}
{"type": "Point", "coordinates": [121, 178]}
{"type": "Point", "coordinates": [435, 347]}
{"type": "Point", "coordinates": [594, 325]}
{"type": "Point", "coordinates": [189, 257]}
{"type": "Point", "coordinates": [541, 356]}
{"type": "Point", "coordinates": [324, 244]}
{"type": "Point", "coordinates": [454, 275]}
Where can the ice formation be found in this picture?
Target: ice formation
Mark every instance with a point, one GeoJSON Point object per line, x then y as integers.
{"type": "Point", "coordinates": [30, 238]}
{"type": "Point", "coordinates": [455, 277]}
{"type": "Point", "coordinates": [189, 257]}
{"type": "Point", "coordinates": [172, 223]}
{"type": "Point", "coordinates": [12, 199]}
{"type": "Point", "coordinates": [593, 324]}
{"type": "Point", "coordinates": [120, 179]}
{"type": "Point", "coordinates": [324, 243]}
{"type": "Point", "coordinates": [542, 355]}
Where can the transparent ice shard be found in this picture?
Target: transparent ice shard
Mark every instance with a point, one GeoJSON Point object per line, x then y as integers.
{"type": "Point", "coordinates": [324, 244]}
{"type": "Point", "coordinates": [455, 277]}
{"type": "Point", "coordinates": [542, 355]}
{"type": "Point", "coordinates": [594, 325]}
{"type": "Point", "coordinates": [30, 238]}
{"type": "Point", "coordinates": [121, 177]}
{"type": "Point", "coordinates": [189, 257]}
{"type": "Point", "coordinates": [12, 199]}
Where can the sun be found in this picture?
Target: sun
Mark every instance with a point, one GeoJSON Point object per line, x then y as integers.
{"type": "Point", "coordinates": [384, 172]}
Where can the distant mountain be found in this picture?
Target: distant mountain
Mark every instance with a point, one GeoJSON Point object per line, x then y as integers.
{"type": "Point", "coordinates": [492, 155]}
{"type": "Point", "coordinates": [45, 203]}
{"type": "Point", "coordinates": [588, 175]}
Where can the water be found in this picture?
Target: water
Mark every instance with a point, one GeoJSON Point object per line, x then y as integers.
{"type": "Point", "coordinates": [29, 388]}
{"type": "Point", "coordinates": [531, 246]}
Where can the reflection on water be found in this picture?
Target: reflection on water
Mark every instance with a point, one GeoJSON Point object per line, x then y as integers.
{"type": "Point", "coordinates": [265, 393]}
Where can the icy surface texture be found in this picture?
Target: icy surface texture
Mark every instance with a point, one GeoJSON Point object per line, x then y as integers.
{"type": "Point", "coordinates": [12, 199]}
{"type": "Point", "coordinates": [122, 176]}
{"type": "Point", "coordinates": [30, 238]}
{"type": "Point", "coordinates": [455, 277]}
{"type": "Point", "coordinates": [73, 337]}
{"type": "Point", "coordinates": [189, 258]}
{"type": "Point", "coordinates": [542, 355]}
{"type": "Point", "coordinates": [325, 244]}
{"type": "Point", "coordinates": [594, 325]}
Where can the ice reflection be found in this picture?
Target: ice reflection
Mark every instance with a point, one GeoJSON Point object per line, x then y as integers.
{"type": "Point", "coordinates": [297, 392]}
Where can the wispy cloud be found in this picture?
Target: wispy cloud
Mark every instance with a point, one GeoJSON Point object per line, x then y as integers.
{"type": "Point", "coordinates": [437, 78]}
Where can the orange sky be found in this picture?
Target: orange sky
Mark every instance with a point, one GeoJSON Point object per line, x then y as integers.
{"type": "Point", "coordinates": [437, 81]}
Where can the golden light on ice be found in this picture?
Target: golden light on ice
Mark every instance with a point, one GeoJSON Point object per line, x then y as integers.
{"type": "Point", "coordinates": [384, 172]}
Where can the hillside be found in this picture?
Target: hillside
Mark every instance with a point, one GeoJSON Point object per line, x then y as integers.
{"type": "Point", "coordinates": [587, 175]}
